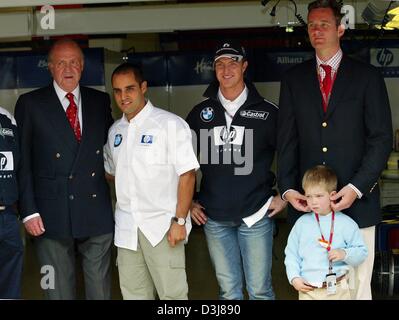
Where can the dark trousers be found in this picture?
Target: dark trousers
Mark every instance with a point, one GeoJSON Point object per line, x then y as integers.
{"type": "Point", "coordinates": [57, 261]}
{"type": "Point", "coordinates": [11, 255]}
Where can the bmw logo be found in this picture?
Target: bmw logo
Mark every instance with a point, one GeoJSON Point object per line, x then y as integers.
{"type": "Point", "coordinates": [207, 114]}
{"type": "Point", "coordinates": [118, 140]}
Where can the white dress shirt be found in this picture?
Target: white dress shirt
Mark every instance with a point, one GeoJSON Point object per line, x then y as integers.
{"type": "Point", "coordinates": [231, 107]}
{"type": "Point", "coordinates": [333, 62]}
{"type": "Point", "coordinates": [147, 155]}
{"type": "Point", "coordinates": [61, 94]}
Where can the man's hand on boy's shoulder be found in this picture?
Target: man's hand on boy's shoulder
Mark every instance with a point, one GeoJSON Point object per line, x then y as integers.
{"type": "Point", "coordinates": [297, 200]}
{"type": "Point", "coordinates": [343, 199]}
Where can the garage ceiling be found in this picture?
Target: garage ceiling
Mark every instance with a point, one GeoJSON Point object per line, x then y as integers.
{"type": "Point", "coordinates": [22, 18]}
{"type": "Point", "coordinates": [33, 3]}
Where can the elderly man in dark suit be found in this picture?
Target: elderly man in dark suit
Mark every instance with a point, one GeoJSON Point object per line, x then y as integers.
{"type": "Point", "coordinates": [335, 111]}
{"type": "Point", "coordinates": [64, 197]}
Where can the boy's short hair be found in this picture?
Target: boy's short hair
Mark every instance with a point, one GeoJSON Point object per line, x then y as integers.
{"type": "Point", "coordinates": [320, 175]}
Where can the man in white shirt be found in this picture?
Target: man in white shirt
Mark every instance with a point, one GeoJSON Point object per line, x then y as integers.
{"type": "Point", "coordinates": [149, 151]}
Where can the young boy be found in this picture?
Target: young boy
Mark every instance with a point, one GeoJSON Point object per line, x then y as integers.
{"type": "Point", "coordinates": [322, 243]}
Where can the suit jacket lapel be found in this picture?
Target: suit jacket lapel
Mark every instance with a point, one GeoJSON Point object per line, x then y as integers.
{"type": "Point", "coordinates": [57, 118]}
{"type": "Point", "coordinates": [340, 84]}
{"type": "Point", "coordinates": [89, 121]}
{"type": "Point", "coordinates": [87, 117]}
{"type": "Point", "coordinates": [315, 97]}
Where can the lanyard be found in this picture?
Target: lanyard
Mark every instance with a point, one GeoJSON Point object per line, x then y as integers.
{"type": "Point", "coordinates": [328, 248]}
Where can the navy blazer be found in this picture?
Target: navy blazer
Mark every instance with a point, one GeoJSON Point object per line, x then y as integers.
{"type": "Point", "coordinates": [354, 137]}
{"type": "Point", "coordinates": [61, 179]}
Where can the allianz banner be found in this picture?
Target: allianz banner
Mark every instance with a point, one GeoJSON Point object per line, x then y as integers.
{"type": "Point", "coordinates": [264, 66]}
{"type": "Point", "coordinates": [196, 68]}
{"type": "Point", "coordinates": [270, 66]}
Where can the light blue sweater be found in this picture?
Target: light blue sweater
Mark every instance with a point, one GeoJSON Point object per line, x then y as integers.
{"type": "Point", "coordinates": [306, 258]}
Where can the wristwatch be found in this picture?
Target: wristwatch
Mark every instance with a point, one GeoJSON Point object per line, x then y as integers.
{"type": "Point", "coordinates": [180, 221]}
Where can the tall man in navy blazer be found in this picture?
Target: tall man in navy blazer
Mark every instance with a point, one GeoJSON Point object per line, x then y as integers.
{"type": "Point", "coordinates": [64, 200]}
{"type": "Point", "coordinates": [353, 135]}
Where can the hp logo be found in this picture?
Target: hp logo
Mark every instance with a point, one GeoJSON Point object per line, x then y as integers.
{"type": "Point", "coordinates": [384, 57]}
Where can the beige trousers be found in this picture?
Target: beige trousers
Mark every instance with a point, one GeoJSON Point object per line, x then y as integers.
{"type": "Point", "coordinates": [151, 270]}
{"type": "Point", "coordinates": [364, 272]}
{"type": "Point", "coordinates": [342, 293]}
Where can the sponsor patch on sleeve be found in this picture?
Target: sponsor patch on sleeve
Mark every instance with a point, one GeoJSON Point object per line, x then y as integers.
{"type": "Point", "coordinates": [146, 139]}
{"type": "Point", "coordinates": [118, 140]}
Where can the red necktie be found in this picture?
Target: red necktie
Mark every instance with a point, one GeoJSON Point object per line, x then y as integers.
{"type": "Point", "coordinates": [327, 85]}
{"type": "Point", "coordinates": [72, 115]}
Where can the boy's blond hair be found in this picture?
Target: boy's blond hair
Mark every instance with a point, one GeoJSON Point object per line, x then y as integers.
{"type": "Point", "coordinates": [320, 176]}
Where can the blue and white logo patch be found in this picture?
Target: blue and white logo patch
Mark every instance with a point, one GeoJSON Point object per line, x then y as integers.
{"type": "Point", "coordinates": [118, 140]}
{"type": "Point", "coordinates": [207, 114]}
{"type": "Point", "coordinates": [224, 136]}
{"type": "Point", "coordinates": [146, 139]}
